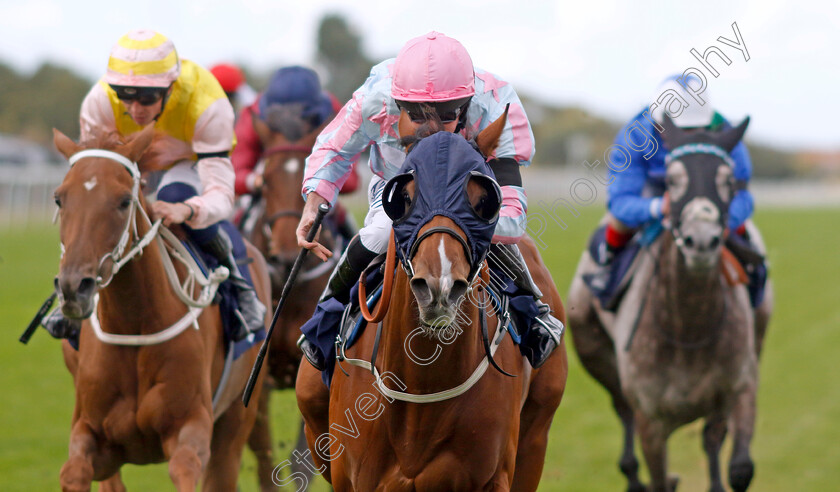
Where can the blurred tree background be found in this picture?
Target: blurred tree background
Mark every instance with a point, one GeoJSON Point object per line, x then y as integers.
{"type": "Point", "coordinates": [30, 106]}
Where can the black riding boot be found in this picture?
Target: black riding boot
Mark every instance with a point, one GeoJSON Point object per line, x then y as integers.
{"type": "Point", "coordinates": [251, 310]}
{"type": "Point", "coordinates": [546, 332]}
{"type": "Point", "coordinates": [346, 273]}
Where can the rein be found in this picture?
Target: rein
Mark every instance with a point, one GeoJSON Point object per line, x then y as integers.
{"type": "Point", "coordinates": [387, 286]}
{"type": "Point", "coordinates": [287, 148]}
{"type": "Point", "coordinates": [490, 344]}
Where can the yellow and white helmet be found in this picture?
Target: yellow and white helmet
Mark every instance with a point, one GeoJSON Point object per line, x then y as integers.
{"type": "Point", "coordinates": [143, 58]}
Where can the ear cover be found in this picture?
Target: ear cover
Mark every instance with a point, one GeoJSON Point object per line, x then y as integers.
{"type": "Point", "coordinates": [393, 201]}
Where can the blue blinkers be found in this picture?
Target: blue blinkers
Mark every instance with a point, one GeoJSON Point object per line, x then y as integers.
{"type": "Point", "coordinates": [441, 166]}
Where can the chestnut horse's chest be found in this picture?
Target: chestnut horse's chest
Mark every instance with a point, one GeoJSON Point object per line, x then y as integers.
{"type": "Point", "coordinates": [128, 396]}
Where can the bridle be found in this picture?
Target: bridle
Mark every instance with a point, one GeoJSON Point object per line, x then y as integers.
{"type": "Point", "coordinates": [691, 149]}
{"type": "Point", "coordinates": [118, 256]}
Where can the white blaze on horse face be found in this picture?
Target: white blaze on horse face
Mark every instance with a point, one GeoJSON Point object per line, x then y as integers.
{"type": "Point", "coordinates": [700, 209]}
{"type": "Point", "coordinates": [90, 184]}
{"type": "Point", "coordinates": [292, 165]}
{"type": "Point", "coordinates": [676, 178]}
{"type": "Point", "coordinates": [445, 271]}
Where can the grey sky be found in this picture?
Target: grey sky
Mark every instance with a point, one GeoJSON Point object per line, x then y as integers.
{"type": "Point", "coordinates": [605, 56]}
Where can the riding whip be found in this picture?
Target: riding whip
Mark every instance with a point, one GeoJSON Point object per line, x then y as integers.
{"type": "Point", "coordinates": [33, 325]}
{"type": "Point", "coordinates": [287, 287]}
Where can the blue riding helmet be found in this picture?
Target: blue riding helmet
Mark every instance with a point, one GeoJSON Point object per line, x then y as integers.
{"type": "Point", "coordinates": [296, 85]}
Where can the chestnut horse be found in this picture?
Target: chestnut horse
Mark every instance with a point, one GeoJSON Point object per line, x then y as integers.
{"type": "Point", "coordinates": [684, 342]}
{"type": "Point", "coordinates": [425, 415]}
{"type": "Point", "coordinates": [271, 226]}
{"type": "Point", "coordinates": [139, 401]}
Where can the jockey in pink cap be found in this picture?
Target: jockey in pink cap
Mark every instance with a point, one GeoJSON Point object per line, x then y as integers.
{"type": "Point", "coordinates": [431, 71]}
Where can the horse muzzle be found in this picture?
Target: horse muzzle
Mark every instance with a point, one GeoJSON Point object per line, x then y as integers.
{"type": "Point", "coordinates": [75, 294]}
{"type": "Point", "coordinates": [700, 244]}
{"type": "Point", "coordinates": [438, 301]}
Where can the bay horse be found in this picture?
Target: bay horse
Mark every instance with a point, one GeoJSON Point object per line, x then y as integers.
{"type": "Point", "coordinates": [423, 415]}
{"type": "Point", "coordinates": [271, 228]}
{"type": "Point", "coordinates": [684, 342]}
{"type": "Point", "coordinates": [145, 393]}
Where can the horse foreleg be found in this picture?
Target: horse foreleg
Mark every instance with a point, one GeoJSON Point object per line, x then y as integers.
{"type": "Point", "coordinates": [713, 434]}
{"type": "Point", "coordinates": [77, 473]}
{"type": "Point", "coordinates": [187, 449]}
{"type": "Point", "coordinates": [301, 448]}
{"type": "Point", "coordinates": [544, 395]}
{"type": "Point", "coordinates": [654, 437]}
{"type": "Point", "coordinates": [230, 432]}
{"type": "Point", "coordinates": [628, 463]}
{"type": "Point", "coordinates": [260, 440]}
{"type": "Point", "coordinates": [741, 467]}
{"type": "Point", "coordinates": [314, 403]}
{"type": "Point", "coordinates": [113, 484]}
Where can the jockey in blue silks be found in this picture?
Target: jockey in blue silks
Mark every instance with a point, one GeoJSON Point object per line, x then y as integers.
{"type": "Point", "coordinates": [637, 178]}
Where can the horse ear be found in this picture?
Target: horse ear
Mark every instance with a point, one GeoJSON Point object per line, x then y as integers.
{"type": "Point", "coordinates": [138, 143]}
{"type": "Point", "coordinates": [729, 138]}
{"type": "Point", "coordinates": [404, 126]}
{"type": "Point", "coordinates": [64, 144]}
{"type": "Point", "coordinates": [488, 139]}
{"type": "Point", "coordinates": [673, 136]}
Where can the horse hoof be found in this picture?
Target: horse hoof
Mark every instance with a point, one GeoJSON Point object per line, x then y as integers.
{"type": "Point", "coordinates": [740, 475]}
{"type": "Point", "coordinates": [636, 487]}
{"type": "Point", "coordinates": [673, 481]}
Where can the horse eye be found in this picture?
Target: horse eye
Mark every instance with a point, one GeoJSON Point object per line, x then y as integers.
{"type": "Point", "coordinates": [406, 197]}
{"type": "Point", "coordinates": [57, 201]}
{"type": "Point", "coordinates": [125, 203]}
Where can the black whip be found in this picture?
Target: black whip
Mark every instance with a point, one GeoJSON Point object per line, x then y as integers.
{"type": "Point", "coordinates": [287, 287]}
{"type": "Point", "coordinates": [33, 325]}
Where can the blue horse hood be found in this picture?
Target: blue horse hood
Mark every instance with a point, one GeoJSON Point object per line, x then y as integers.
{"type": "Point", "coordinates": [441, 165]}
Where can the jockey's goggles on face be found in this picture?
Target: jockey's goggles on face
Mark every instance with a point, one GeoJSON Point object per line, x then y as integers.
{"type": "Point", "coordinates": [146, 96]}
{"type": "Point", "coordinates": [417, 115]}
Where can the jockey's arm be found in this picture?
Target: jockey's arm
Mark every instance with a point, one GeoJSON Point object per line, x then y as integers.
{"type": "Point", "coordinates": [741, 207]}
{"type": "Point", "coordinates": [96, 114]}
{"type": "Point", "coordinates": [625, 201]}
{"type": "Point", "coordinates": [515, 149]}
{"type": "Point", "coordinates": [212, 142]}
{"type": "Point", "coordinates": [336, 151]}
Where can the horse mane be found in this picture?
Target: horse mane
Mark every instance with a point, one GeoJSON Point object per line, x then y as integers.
{"type": "Point", "coordinates": [103, 140]}
{"type": "Point", "coordinates": [432, 125]}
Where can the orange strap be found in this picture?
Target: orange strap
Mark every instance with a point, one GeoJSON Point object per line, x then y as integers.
{"type": "Point", "coordinates": [732, 269]}
{"type": "Point", "coordinates": [387, 284]}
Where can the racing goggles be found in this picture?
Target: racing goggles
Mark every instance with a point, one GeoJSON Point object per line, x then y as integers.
{"type": "Point", "coordinates": [146, 96]}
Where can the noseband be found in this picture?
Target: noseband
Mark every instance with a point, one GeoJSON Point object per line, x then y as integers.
{"type": "Point", "coordinates": [406, 262]}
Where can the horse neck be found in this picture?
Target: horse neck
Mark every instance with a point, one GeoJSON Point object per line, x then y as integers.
{"type": "Point", "coordinates": [456, 361]}
{"type": "Point", "coordinates": [690, 301]}
{"type": "Point", "coordinates": [137, 290]}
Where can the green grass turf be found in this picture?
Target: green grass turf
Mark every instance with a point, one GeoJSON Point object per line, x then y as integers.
{"type": "Point", "coordinates": [797, 433]}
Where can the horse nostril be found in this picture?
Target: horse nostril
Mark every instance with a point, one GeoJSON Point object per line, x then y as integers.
{"type": "Point", "coordinates": [689, 242]}
{"type": "Point", "coordinates": [421, 290]}
{"type": "Point", "coordinates": [86, 286]}
{"type": "Point", "coordinates": [459, 288]}
{"type": "Point", "coordinates": [714, 242]}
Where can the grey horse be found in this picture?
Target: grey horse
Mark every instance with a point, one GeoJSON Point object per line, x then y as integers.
{"type": "Point", "coordinates": [683, 344]}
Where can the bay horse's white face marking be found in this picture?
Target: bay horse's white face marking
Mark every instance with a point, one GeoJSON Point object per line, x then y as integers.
{"type": "Point", "coordinates": [445, 270]}
{"type": "Point", "coordinates": [90, 184]}
{"type": "Point", "coordinates": [292, 165]}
